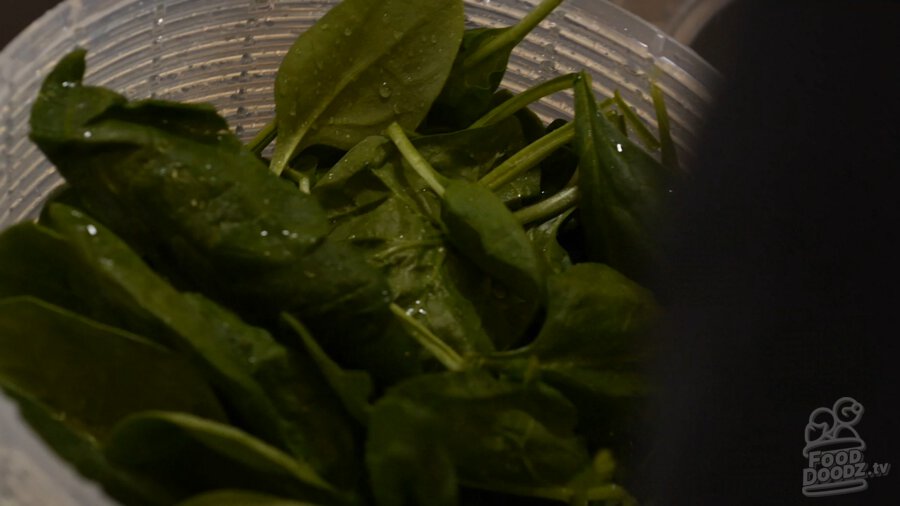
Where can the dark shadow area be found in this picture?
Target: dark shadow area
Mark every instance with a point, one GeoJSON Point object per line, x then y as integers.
{"type": "Point", "coordinates": [716, 41]}
{"type": "Point", "coordinates": [785, 249]}
{"type": "Point", "coordinates": [18, 15]}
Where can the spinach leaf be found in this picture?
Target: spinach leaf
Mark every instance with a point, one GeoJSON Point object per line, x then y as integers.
{"type": "Point", "coordinates": [434, 285]}
{"type": "Point", "coordinates": [407, 459]}
{"type": "Point", "coordinates": [424, 280]}
{"type": "Point", "coordinates": [595, 336]}
{"type": "Point", "coordinates": [502, 313]}
{"type": "Point", "coordinates": [467, 95]}
{"type": "Point", "coordinates": [50, 358]}
{"type": "Point", "coordinates": [63, 194]}
{"type": "Point", "coordinates": [82, 450]}
{"type": "Point", "coordinates": [479, 225]}
{"type": "Point", "coordinates": [624, 192]}
{"type": "Point", "coordinates": [270, 390]}
{"type": "Point", "coordinates": [239, 498]}
{"type": "Point", "coordinates": [37, 261]}
{"type": "Point", "coordinates": [667, 144]}
{"type": "Point", "coordinates": [487, 233]}
{"type": "Point", "coordinates": [465, 154]}
{"type": "Point", "coordinates": [521, 191]}
{"type": "Point", "coordinates": [631, 119]}
{"type": "Point", "coordinates": [33, 262]}
{"type": "Point", "coordinates": [190, 455]}
{"type": "Point", "coordinates": [532, 124]}
{"type": "Point", "coordinates": [479, 68]}
{"type": "Point", "coordinates": [471, 153]}
{"type": "Point", "coordinates": [497, 435]}
{"type": "Point", "coordinates": [373, 169]}
{"type": "Point", "coordinates": [363, 66]}
{"type": "Point", "coordinates": [455, 279]}
{"type": "Point", "coordinates": [558, 169]}
{"type": "Point", "coordinates": [350, 184]}
{"type": "Point", "coordinates": [353, 388]}
{"type": "Point", "coordinates": [507, 104]}
{"type": "Point", "coordinates": [56, 356]}
{"type": "Point", "coordinates": [182, 191]}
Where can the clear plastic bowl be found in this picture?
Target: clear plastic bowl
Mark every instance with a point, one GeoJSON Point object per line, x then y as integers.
{"type": "Point", "coordinates": [226, 52]}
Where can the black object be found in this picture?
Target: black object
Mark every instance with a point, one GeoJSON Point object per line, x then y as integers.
{"type": "Point", "coordinates": [787, 278]}
{"type": "Point", "coordinates": [18, 15]}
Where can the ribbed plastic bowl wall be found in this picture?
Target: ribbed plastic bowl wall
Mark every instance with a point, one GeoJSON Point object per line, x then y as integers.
{"type": "Point", "coordinates": [226, 52]}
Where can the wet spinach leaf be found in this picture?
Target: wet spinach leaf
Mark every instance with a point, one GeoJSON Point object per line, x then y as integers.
{"type": "Point", "coordinates": [39, 262]}
{"type": "Point", "coordinates": [178, 186]}
{"type": "Point", "coordinates": [483, 228]}
{"type": "Point", "coordinates": [497, 435]}
{"type": "Point", "coordinates": [465, 154]}
{"type": "Point", "coordinates": [532, 125]}
{"type": "Point", "coordinates": [353, 388]}
{"type": "Point", "coordinates": [479, 225]}
{"type": "Point", "coordinates": [624, 192]}
{"type": "Point", "coordinates": [479, 68]}
{"type": "Point", "coordinates": [449, 294]}
{"type": "Point", "coordinates": [521, 191]}
{"type": "Point", "coordinates": [268, 388]}
{"type": "Point", "coordinates": [411, 252]}
{"type": "Point", "coordinates": [350, 184]}
{"type": "Point", "coordinates": [124, 373]}
{"type": "Point", "coordinates": [446, 293]}
{"type": "Point", "coordinates": [239, 498]}
{"type": "Point", "coordinates": [544, 237]}
{"type": "Point", "coordinates": [363, 66]}
{"type": "Point", "coordinates": [82, 450]}
{"type": "Point", "coordinates": [471, 153]}
{"type": "Point", "coordinates": [190, 455]}
{"type": "Point", "coordinates": [596, 334]}
{"type": "Point", "coordinates": [407, 458]}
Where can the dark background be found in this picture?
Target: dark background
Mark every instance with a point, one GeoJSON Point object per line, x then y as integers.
{"type": "Point", "coordinates": [785, 254]}
{"type": "Point", "coordinates": [17, 15]}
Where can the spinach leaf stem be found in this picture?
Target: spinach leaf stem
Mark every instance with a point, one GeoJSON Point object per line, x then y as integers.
{"type": "Point", "coordinates": [263, 138]}
{"type": "Point", "coordinates": [669, 153]}
{"type": "Point", "coordinates": [416, 160]}
{"type": "Point", "coordinates": [404, 246]}
{"type": "Point", "coordinates": [514, 34]}
{"type": "Point", "coordinates": [550, 207]}
{"type": "Point", "coordinates": [299, 178]}
{"type": "Point", "coordinates": [527, 97]}
{"type": "Point", "coordinates": [529, 157]}
{"type": "Point", "coordinates": [637, 125]}
{"type": "Point", "coordinates": [441, 350]}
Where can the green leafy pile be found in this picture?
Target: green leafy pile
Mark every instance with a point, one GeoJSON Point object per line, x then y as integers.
{"type": "Point", "coordinates": [426, 297]}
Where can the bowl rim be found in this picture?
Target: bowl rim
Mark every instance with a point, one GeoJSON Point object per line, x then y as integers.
{"type": "Point", "coordinates": [662, 45]}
